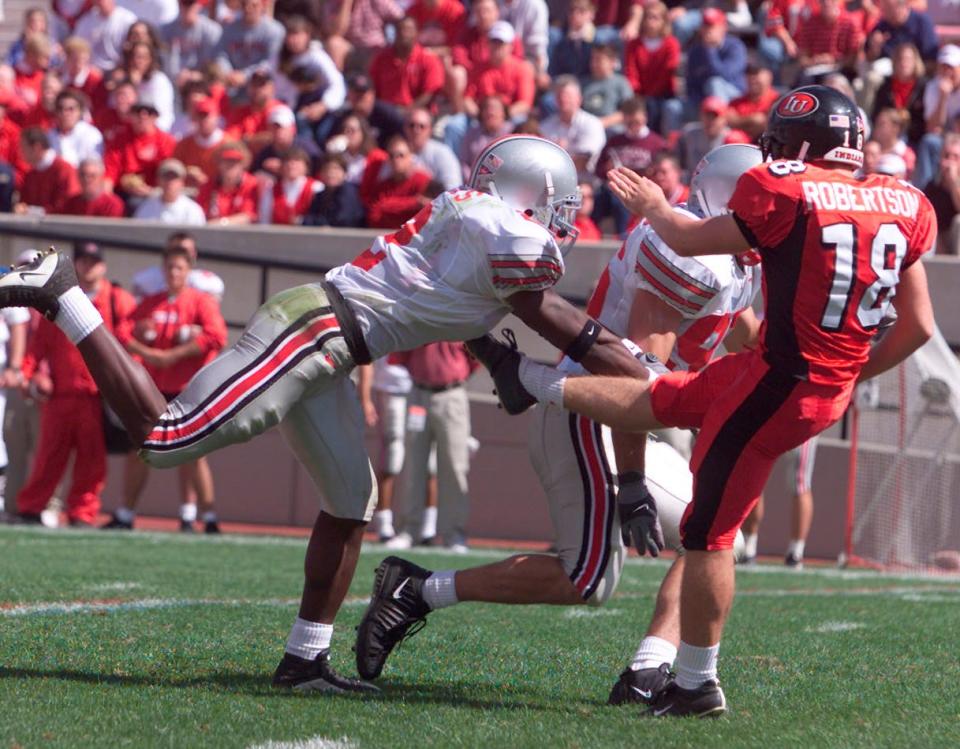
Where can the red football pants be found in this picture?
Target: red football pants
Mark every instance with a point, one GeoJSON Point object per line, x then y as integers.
{"type": "Point", "coordinates": [748, 415]}
{"type": "Point", "coordinates": [68, 424]}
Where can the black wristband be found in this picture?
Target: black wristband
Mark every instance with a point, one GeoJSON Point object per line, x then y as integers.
{"type": "Point", "coordinates": [580, 345]}
{"type": "Point", "coordinates": [630, 477]}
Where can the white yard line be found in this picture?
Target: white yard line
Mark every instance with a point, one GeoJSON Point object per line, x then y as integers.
{"type": "Point", "coordinates": [55, 608]}
{"type": "Point", "coordinates": [315, 742]}
{"type": "Point", "coordinates": [831, 627]}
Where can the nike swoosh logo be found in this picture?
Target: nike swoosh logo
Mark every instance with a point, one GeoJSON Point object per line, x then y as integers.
{"type": "Point", "coordinates": [400, 587]}
{"type": "Point", "coordinates": [645, 693]}
{"type": "Point", "coordinates": [662, 710]}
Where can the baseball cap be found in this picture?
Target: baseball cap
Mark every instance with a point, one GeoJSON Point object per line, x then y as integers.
{"type": "Point", "coordinates": [949, 55]}
{"type": "Point", "coordinates": [172, 167]}
{"type": "Point", "coordinates": [148, 106]}
{"type": "Point", "coordinates": [891, 164]}
{"type": "Point", "coordinates": [714, 17]}
{"type": "Point", "coordinates": [501, 31]}
{"type": "Point", "coordinates": [714, 105]}
{"type": "Point", "coordinates": [87, 250]}
{"type": "Point", "coordinates": [260, 76]}
{"type": "Point", "coordinates": [232, 154]}
{"type": "Point", "coordinates": [359, 82]}
{"type": "Point", "coordinates": [205, 106]}
{"type": "Point", "coordinates": [281, 115]}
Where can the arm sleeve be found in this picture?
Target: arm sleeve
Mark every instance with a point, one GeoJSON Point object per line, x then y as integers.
{"type": "Point", "coordinates": [336, 92]}
{"type": "Point", "coordinates": [521, 261]}
{"type": "Point", "coordinates": [683, 283]}
{"type": "Point", "coordinates": [923, 238]}
{"type": "Point", "coordinates": [765, 206]}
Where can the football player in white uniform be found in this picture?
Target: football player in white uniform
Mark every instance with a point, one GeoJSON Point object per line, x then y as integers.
{"type": "Point", "coordinates": [450, 273]}
{"type": "Point", "coordinates": [679, 309]}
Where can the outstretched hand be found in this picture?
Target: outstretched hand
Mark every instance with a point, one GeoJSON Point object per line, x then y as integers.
{"type": "Point", "coordinates": [637, 193]}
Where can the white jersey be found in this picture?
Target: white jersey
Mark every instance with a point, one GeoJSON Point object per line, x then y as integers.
{"type": "Point", "coordinates": [710, 291]}
{"type": "Point", "coordinates": [9, 316]}
{"type": "Point", "coordinates": [391, 378]}
{"type": "Point", "coordinates": [151, 281]}
{"type": "Point", "coordinates": [447, 273]}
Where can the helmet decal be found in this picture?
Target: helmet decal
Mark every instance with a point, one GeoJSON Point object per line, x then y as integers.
{"type": "Point", "coordinates": [798, 105]}
{"type": "Point", "coordinates": [839, 120]}
{"type": "Point", "coordinates": [490, 164]}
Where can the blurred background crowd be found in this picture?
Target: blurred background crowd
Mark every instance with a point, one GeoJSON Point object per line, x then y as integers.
{"type": "Point", "coordinates": [358, 112]}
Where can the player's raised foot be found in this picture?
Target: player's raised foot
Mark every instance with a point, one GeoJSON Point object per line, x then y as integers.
{"type": "Point", "coordinates": [706, 701]}
{"type": "Point", "coordinates": [116, 524]}
{"type": "Point", "coordinates": [502, 360]}
{"type": "Point", "coordinates": [641, 686]}
{"type": "Point", "coordinates": [39, 283]}
{"type": "Point", "coordinates": [302, 675]}
{"type": "Point", "coordinates": [397, 610]}
{"type": "Point", "coordinates": [793, 561]}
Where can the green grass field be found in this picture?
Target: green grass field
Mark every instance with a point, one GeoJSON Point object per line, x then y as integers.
{"type": "Point", "coordinates": [163, 640]}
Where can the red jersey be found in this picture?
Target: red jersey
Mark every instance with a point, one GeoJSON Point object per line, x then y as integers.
{"type": "Point", "coordinates": [512, 81]}
{"type": "Point", "coordinates": [37, 116]}
{"type": "Point", "coordinates": [51, 187]}
{"type": "Point", "coordinates": [106, 205]}
{"type": "Point", "coordinates": [651, 71]}
{"type": "Point", "coordinates": [219, 202]}
{"type": "Point", "coordinates": [744, 105]}
{"type": "Point", "coordinates": [473, 49]}
{"type": "Point", "coordinates": [393, 203]}
{"type": "Point", "coordinates": [139, 154]}
{"type": "Point", "coordinates": [285, 213]}
{"type": "Point", "coordinates": [47, 343]}
{"type": "Point", "coordinates": [28, 85]}
{"type": "Point", "coordinates": [10, 150]}
{"type": "Point", "coordinates": [247, 121]}
{"type": "Point", "coordinates": [401, 81]}
{"type": "Point", "coordinates": [171, 321]}
{"type": "Point", "coordinates": [589, 231]}
{"type": "Point", "coordinates": [832, 248]}
{"type": "Point", "coordinates": [441, 25]}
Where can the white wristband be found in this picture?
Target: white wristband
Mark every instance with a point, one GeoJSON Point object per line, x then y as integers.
{"type": "Point", "coordinates": [77, 317]}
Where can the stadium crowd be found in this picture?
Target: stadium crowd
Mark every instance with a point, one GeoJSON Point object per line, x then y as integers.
{"type": "Point", "coordinates": [356, 113]}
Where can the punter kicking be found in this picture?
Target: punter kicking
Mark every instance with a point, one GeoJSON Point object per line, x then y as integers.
{"type": "Point", "coordinates": [679, 309]}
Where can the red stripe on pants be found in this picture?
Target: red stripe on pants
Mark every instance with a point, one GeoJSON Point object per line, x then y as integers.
{"type": "Point", "coordinates": [593, 458]}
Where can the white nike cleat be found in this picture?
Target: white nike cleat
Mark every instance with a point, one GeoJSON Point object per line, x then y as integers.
{"type": "Point", "coordinates": [39, 283]}
{"type": "Point", "coordinates": [400, 542]}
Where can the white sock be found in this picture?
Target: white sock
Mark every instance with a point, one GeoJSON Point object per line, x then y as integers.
{"type": "Point", "coordinates": [543, 383]}
{"type": "Point", "coordinates": [652, 652]}
{"type": "Point", "coordinates": [695, 665]}
{"type": "Point", "coordinates": [383, 522]}
{"type": "Point", "coordinates": [188, 513]}
{"type": "Point", "coordinates": [750, 544]}
{"type": "Point", "coordinates": [796, 548]}
{"type": "Point", "coordinates": [77, 317]}
{"type": "Point", "coordinates": [209, 517]}
{"type": "Point", "coordinates": [125, 514]}
{"type": "Point", "coordinates": [439, 590]}
{"type": "Point", "coordinates": [429, 527]}
{"type": "Point", "coordinates": [308, 639]}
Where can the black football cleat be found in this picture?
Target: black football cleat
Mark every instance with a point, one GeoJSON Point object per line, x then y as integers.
{"type": "Point", "coordinates": [793, 561]}
{"type": "Point", "coordinates": [317, 675]}
{"type": "Point", "coordinates": [39, 283]}
{"type": "Point", "coordinates": [186, 526]}
{"type": "Point", "coordinates": [396, 611]}
{"type": "Point", "coordinates": [116, 524]}
{"type": "Point", "coordinates": [641, 686]}
{"type": "Point", "coordinates": [211, 527]}
{"type": "Point", "coordinates": [23, 518]}
{"type": "Point", "coordinates": [706, 701]}
{"type": "Point", "coordinates": [502, 360]}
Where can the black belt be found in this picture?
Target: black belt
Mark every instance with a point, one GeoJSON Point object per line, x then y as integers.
{"type": "Point", "coordinates": [352, 333]}
{"type": "Point", "coordinates": [439, 388]}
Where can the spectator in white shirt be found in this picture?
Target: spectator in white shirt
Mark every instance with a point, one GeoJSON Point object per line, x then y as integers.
{"type": "Point", "coordinates": [941, 109]}
{"type": "Point", "coordinates": [154, 12]}
{"type": "Point", "coordinates": [71, 136]}
{"type": "Point", "coordinates": [143, 68]}
{"type": "Point", "coordinates": [105, 27]}
{"type": "Point", "coordinates": [434, 156]}
{"type": "Point", "coordinates": [580, 133]}
{"type": "Point", "coordinates": [530, 21]}
{"type": "Point", "coordinates": [171, 206]}
{"type": "Point", "coordinates": [301, 50]}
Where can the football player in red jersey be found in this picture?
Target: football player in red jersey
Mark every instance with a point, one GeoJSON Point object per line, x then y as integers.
{"type": "Point", "coordinates": [835, 250]}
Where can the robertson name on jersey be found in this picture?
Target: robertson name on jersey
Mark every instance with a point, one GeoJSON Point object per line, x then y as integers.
{"type": "Point", "coordinates": [447, 273]}
{"type": "Point", "coordinates": [708, 291]}
{"type": "Point", "coordinates": [832, 247]}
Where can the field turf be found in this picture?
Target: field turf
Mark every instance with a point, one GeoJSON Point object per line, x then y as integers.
{"type": "Point", "coordinates": [146, 640]}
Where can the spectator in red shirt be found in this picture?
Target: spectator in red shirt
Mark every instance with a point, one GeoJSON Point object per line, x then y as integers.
{"type": "Point", "coordinates": [406, 74]}
{"type": "Point", "coordinates": [42, 113]}
{"type": "Point", "coordinates": [589, 231]}
{"type": "Point", "coordinates": [503, 75]}
{"type": "Point", "coordinates": [198, 150]}
{"type": "Point", "coordinates": [289, 200]}
{"type": "Point", "coordinates": [750, 112]}
{"type": "Point", "coordinates": [249, 122]}
{"type": "Point", "coordinates": [472, 49]}
{"type": "Point", "coordinates": [231, 197]}
{"type": "Point", "coordinates": [176, 333]}
{"type": "Point", "coordinates": [10, 152]}
{"type": "Point", "coordinates": [440, 22]}
{"type": "Point", "coordinates": [94, 199]}
{"type": "Point", "coordinates": [113, 118]}
{"type": "Point", "coordinates": [828, 38]}
{"type": "Point", "coordinates": [78, 73]}
{"type": "Point", "coordinates": [651, 62]}
{"type": "Point", "coordinates": [904, 88]}
{"type": "Point", "coordinates": [9, 99]}
{"type": "Point", "coordinates": [71, 419]}
{"type": "Point", "coordinates": [397, 187]}
{"type": "Point", "coordinates": [33, 67]}
{"type": "Point", "coordinates": [51, 180]}
{"type": "Point", "coordinates": [132, 163]}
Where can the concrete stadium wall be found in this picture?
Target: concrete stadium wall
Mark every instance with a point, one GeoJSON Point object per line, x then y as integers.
{"type": "Point", "coordinates": [261, 482]}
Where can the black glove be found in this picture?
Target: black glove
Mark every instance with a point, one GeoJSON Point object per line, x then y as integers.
{"type": "Point", "coordinates": [639, 524]}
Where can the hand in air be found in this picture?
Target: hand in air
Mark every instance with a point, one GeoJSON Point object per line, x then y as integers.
{"type": "Point", "coordinates": [637, 193]}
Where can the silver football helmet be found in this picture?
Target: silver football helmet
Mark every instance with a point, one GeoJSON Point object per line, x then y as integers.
{"type": "Point", "coordinates": [535, 176]}
{"type": "Point", "coordinates": [715, 177]}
